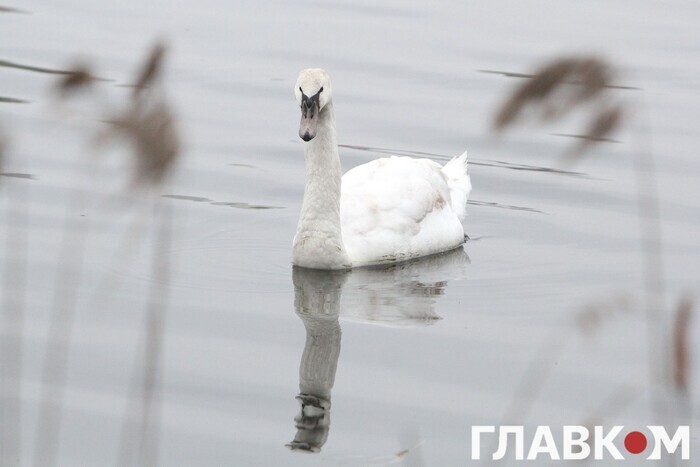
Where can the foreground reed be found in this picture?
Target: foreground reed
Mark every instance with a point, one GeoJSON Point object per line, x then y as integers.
{"type": "Point", "coordinates": [587, 84]}
{"type": "Point", "coordinates": [12, 314]}
{"type": "Point", "coordinates": [149, 127]}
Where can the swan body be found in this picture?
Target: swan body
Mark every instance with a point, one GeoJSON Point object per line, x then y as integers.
{"type": "Point", "coordinates": [388, 210]}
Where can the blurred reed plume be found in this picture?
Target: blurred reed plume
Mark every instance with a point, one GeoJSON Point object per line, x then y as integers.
{"type": "Point", "coordinates": [592, 315]}
{"type": "Point", "coordinates": [77, 78]}
{"type": "Point", "coordinates": [148, 126]}
{"type": "Point", "coordinates": [561, 86]}
{"type": "Point", "coordinates": [572, 83]}
{"type": "Point", "coordinates": [151, 69]}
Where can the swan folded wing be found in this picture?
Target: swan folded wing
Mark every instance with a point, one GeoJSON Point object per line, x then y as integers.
{"type": "Point", "coordinates": [397, 208]}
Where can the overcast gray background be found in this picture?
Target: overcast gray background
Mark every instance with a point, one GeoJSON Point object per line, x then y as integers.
{"type": "Point", "coordinates": [406, 75]}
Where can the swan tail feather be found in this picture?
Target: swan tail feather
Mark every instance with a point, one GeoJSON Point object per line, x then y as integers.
{"type": "Point", "coordinates": [459, 184]}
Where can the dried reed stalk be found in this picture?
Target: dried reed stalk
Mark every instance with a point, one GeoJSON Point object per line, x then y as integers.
{"type": "Point", "coordinates": [12, 318]}
{"type": "Point", "coordinates": [138, 443]}
{"type": "Point", "coordinates": [66, 288]}
{"type": "Point", "coordinates": [149, 126]}
{"type": "Point", "coordinates": [3, 148]}
{"type": "Point", "coordinates": [569, 83]}
{"type": "Point", "coordinates": [681, 345]}
{"type": "Point", "coordinates": [561, 86]}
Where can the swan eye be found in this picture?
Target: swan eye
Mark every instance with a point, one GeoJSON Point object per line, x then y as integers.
{"type": "Point", "coordinates": [301, 90]}
{"type": "Point", "coordinates": [321, 90]}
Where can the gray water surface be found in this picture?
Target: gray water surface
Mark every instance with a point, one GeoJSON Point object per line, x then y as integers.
{"type": "Point", "coordinates": [410, 357]}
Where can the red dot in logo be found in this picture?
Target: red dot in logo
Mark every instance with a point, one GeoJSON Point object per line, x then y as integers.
{"type": "Point", "coordinates": [635, 442]}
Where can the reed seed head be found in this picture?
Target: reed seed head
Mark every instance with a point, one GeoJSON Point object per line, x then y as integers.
{"type": "Point", "coordinates": [562, 86]}
{"type": "Point", "coordinates": [76, 79]}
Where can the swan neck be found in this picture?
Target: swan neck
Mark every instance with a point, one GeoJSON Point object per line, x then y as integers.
{"type": "Point", "coordinates": [319, 243]}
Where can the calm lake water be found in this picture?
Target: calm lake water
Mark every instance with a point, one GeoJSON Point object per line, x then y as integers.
{"type": "Point", "coordinates": [409, 77]}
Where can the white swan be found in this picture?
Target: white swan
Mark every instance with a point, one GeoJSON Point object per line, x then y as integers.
{"type": "Point", "coordinates": [388, 210]}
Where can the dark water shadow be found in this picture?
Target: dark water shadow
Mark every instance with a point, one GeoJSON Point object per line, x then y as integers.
{"type": "Point", "coordinates": [587, 138]}
{"type": "Point", "coordinates": [196, 199]}
{"type": "Point", "coordinates": [399, 295]}
{"type": "Point", "coordinates": [231, 204]}
{"type": "Point", "coordinates": [490, 204]}
{"type": "Point", "coordinates": [18, 175]}
{"type": "Point", "coordinates": [243, 205]}
{"type": "Point", "coordinates": [43, 70]}
{"type": "Point", "coordinates": [472, 161]}
{"type": "Point", "coordinates": [513, 74]}
{"type": "Point", "coordinates": [12, 100]}
{"type": "Point", "coordinates": [36, 69]}
{"type": "Point", "coordinates": [9, 9]}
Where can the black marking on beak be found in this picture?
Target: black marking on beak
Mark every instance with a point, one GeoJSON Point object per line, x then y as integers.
{"type": "Point", "coordinates": [307, 103]}
{"type": "Point", "coordinates": [310, 108]}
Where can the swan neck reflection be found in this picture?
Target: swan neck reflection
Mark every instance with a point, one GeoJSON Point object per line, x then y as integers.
{"type": "Point", "coordinates": [317, 303]}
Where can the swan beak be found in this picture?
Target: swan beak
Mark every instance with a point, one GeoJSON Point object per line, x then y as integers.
{"type": "Point", "coordinates": [309, 119]}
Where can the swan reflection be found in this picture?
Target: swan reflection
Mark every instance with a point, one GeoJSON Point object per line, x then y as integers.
{"type": "Point", "coordinates": [399, 295]}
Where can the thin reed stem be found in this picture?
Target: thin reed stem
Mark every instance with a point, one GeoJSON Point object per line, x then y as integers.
{"type": "Point", "coordinates": [143, 401]}
{"type": "Point", "coordinates": [534, 378]}
{"type": "Point", "coordinates": [11, 325]}
{"type": "Point", "coordinates": [652, 272]}
{"type": "Point", "coordinates": [128, 248]}
{"type": "Point", "coordinates": [64, 303]}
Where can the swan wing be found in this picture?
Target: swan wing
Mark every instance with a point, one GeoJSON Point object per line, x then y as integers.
{"type": "Point", "coordinates": [397, 208]}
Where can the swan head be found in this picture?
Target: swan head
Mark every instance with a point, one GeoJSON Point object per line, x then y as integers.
{"type": "Point", "coordinates": [313, 92]}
